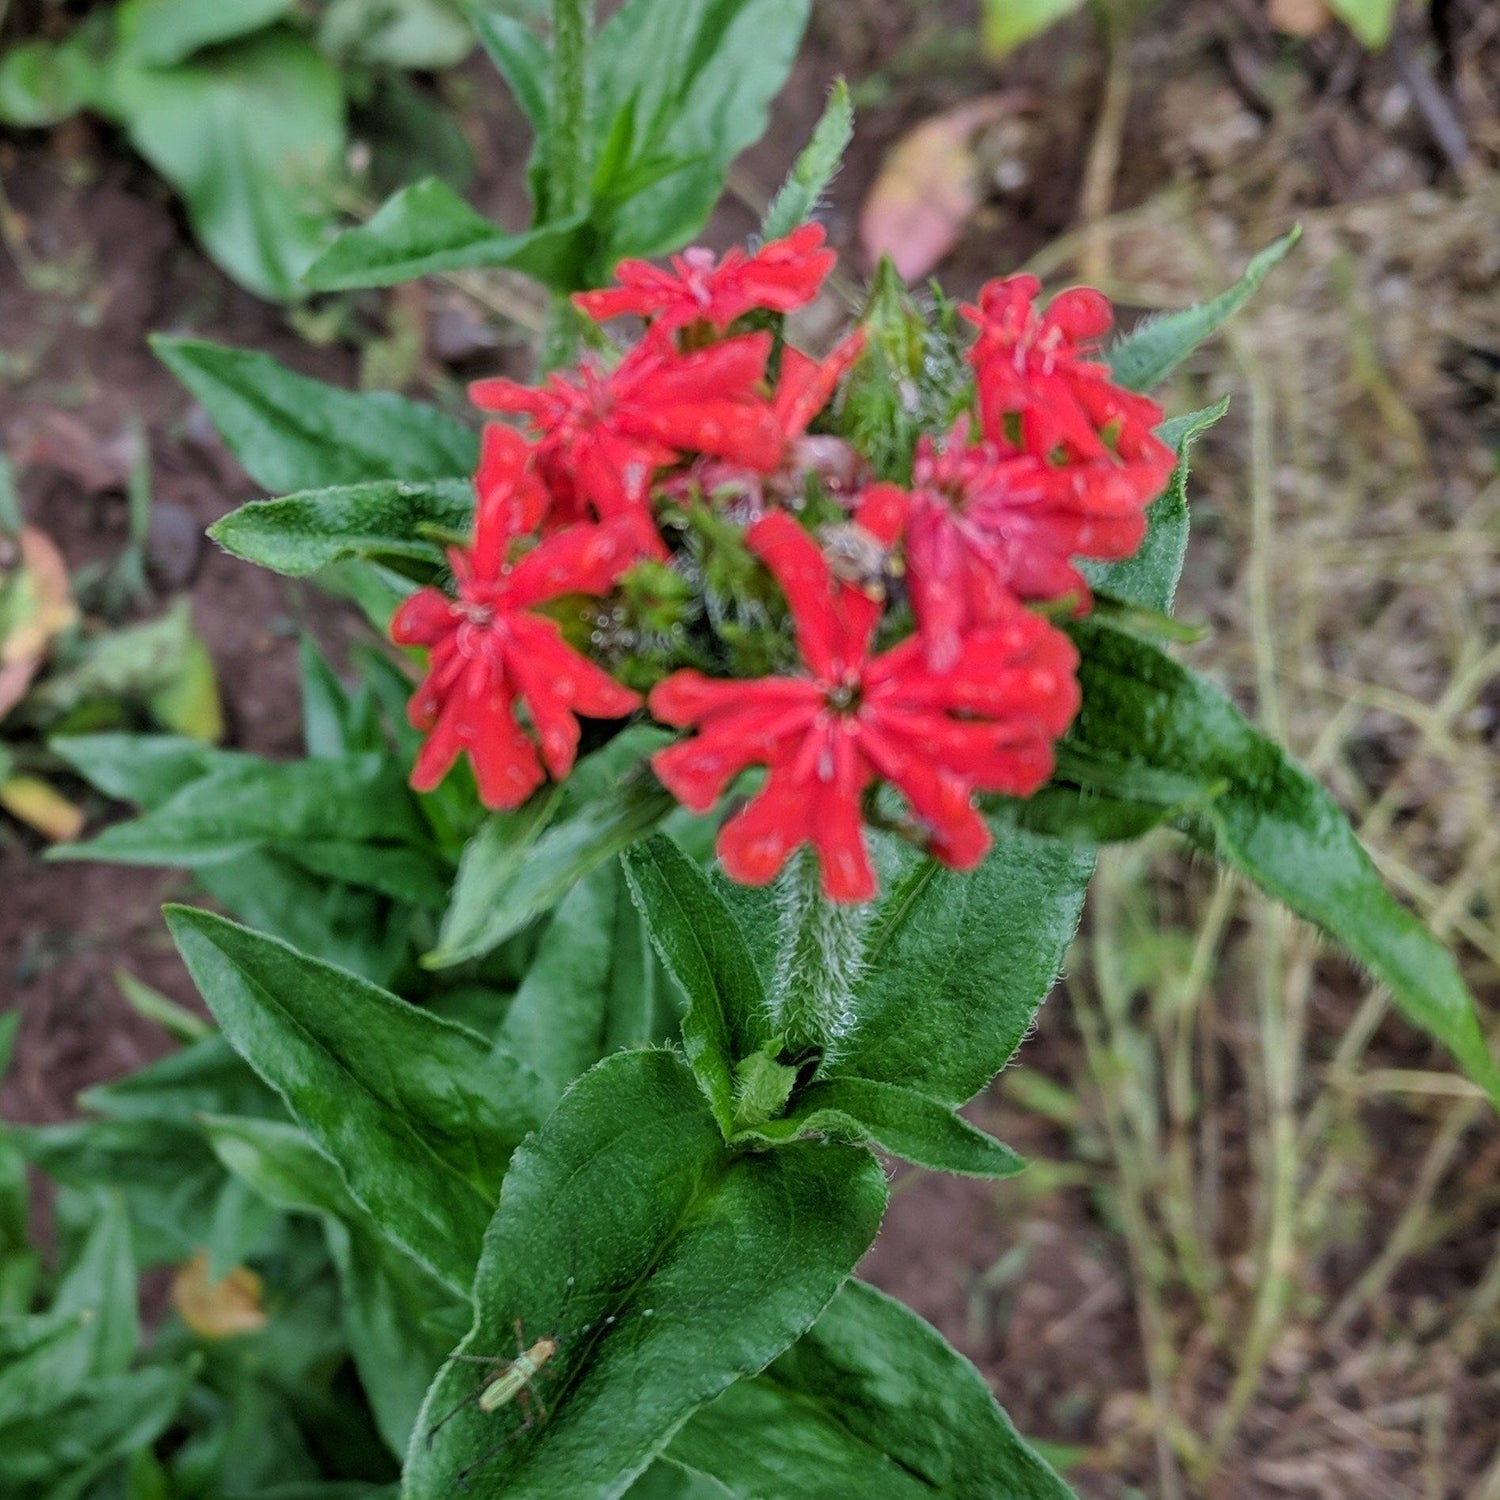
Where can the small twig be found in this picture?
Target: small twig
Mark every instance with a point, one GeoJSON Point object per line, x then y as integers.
{"type": "Point", "coordinates": [1432, 104]}
{"type": "Point", "coordinates": [1102, 169]}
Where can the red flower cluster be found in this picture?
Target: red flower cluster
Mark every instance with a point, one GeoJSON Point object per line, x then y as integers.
{"type": "Point", "coordinates": [1060, 465]}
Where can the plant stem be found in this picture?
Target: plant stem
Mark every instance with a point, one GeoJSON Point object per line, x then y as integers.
{"type": "Point", "coordinates": [818, 960]}
{"type": "Point", "coordinates": [569, 163]}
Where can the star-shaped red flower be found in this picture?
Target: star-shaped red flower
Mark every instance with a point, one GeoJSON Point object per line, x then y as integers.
{"type": "Point", "coordinates": [603, 436]}
{"type": "Point", "coordinates": [985, 529]}
{"type": "Point", "coordinates": [781, 276]}
{"type": "Point", "coordinates": [1042, 388]}
{"type": "Point", "coordinates": [850, 719]}
{"type": "Point", "coordinates": [487, 649]}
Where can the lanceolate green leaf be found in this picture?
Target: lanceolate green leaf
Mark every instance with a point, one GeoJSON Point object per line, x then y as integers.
{"type": "Point", "coordinates": [1149, 578]}
{"type": "Point", "coordinates": [957, 964]}
{"type": "Point", "coordinates": [1142, 713]}
{"type": "Point", "coordinates": [686, 82]}
{"type": "Point", "coordinates": [870, 1401]}
{"type": "Point", "coordinates": [705, 951]}
{"type": "Point", "coordinates": [300, 534]}
{"type": "Point", "coordinates": [1149, 353]}
{"type": "Point", "coordinates": [427, 228]}
{"type": "Point", "coordinates": [1369, 20]}
{"type": "Point", "coordinates": [815, 167]}
{"type": "Point", "coordinates": [658, 1297]}
{"type": "Point", "coordinates": [420, 1115]}
{"type": "Point", "coordinates": [141, 768]}
{"type": "Point", "coordinates": [291, 432]}
{"type": "Point", "coordinates": [251, 803]}
{"type": "Point", "coordinates": [901, 1121]}
{"type": "Point", "coordinates": [521, 864]}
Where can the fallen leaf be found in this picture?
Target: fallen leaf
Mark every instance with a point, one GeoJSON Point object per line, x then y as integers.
{"type": "Point", "coordinates": [1299, 17]}
{"type": "Point", "coordinates": [61, 442]}
{"type": "Point", "coordinates": [218, 1309]}
{"type": "Point", "coordinates": [929, 186]}
{"type": "Point", "coordinates": [41, 807]}
{"type": "Point", "coordinates": [36, 604]}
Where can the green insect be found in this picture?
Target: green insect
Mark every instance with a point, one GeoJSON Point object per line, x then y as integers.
{"type": "Point", "coordinates": [515, 1380]}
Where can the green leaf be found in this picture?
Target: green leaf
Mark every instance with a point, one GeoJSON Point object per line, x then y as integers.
{"type": "Point", "coordinates": [521, 864]}
{"type": "Point", "coordinates": [392, 1309]}
{"type": "Point", "coordinates": [168, 1177]}
{"type": "Point", "coordinates": [143, 768]}
{"type": "Point", "coordinates": [690, 82]}
{"type": "Point", "coordinates": [870, 1401]}
{"type": "Point", "coordinates": [207, 1077]}
{"type": "Point", "coordinates": [57, 1453]}
{"type": "Point", "coordinates": [815, 167]}
{"type": "Point", "coordinates": [1142, 713]}
{"type": "Point", "coordinates": [1149, 578]}
{"type": "Point", "coordinates": [522, 59]}
{"type": "Point", "coordinates": [901, 1121]}
{"type": "Point", "coordinates": [419, 1114]}
{"type": "Point", "coordinates": [291, 432]}
{"type": "Point", "coordinates": [1370, 20]}
{"type": "Point", "coordinates": [704, 950]}
{"type": "Point", "coordinates": [1155, 347]}
{"type": "Point", "coordinates": [658, 1297]}
{"type": "Point", "coordinates": [357, 798]}
{"type": "Point", "coordinates": [1009, 24]}
{"type": "Point", "coordinates": [957, 965]}
{"type": "Point", "coordinates": [42, 85]}
{"type": "Point", "coordinates": [407, 875]}
{"type": "Point", "coordinates": [427, 228]}
{"type": "Point", "coordinates": [251, 136]}
{"type": "Point", "coordinates": [427, 35]}
{"type": "Point", "coordinates": [300, 534]}
{"type": "Point", "coordinates": [163, 32]}
{"type": "Point", "coordinates": [592, 988]}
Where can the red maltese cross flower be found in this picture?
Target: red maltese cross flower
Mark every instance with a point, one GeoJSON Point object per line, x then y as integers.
{"type": "Point", "coordinates": [488, 651]}
{"type": "Point", "coordinates": [602, 437]}
{"type": "Point", "coordinates": [1039, 371]}
{"type": "Point", "coordinates": [985, 529]}
{"type": "Point", "coordinates": [779, 277]}
{"type": "Point", "coordinates": [851, 719]}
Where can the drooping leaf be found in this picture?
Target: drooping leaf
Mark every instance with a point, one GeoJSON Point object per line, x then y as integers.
{"type": "Point", "coordinates": [521, 864]}
{"type": "Point", "coordinates": [815, 167]}
{"type": "Point", "coordinates": [427, 35]}
{"type": "Point", "coordinates": [427, 228]}
{"type": "Point", "coordinates": [957, 964]}
{"type": "Point", "coordinates": [1151, 351]}
{"type": "Point", "coordinates": [901, 1121]}
{"type": "Point", "coordinates": [145, 769]}
{"type": "Point", "coordinates": [1145, 717]}
{"type": "Point", "coordinates": [291, 432]}
{"type": "Point", "coordinates": [390, 1305]}
{"type": "Point", "coordinates": [1149, 578]}
{"type": "Point", "coordinates": [658, 1297]}
{"type": "Point", "coordinates": [870, 1401]}
{"type": "Point", "coordinates": [163, 32]}
{"type": "Point", "coordinates": [685, 82]}
{"type": "Point", "coordinates": [420, 1114]}
{"type": "Point", "coordinates": [705, 951]}
{"type": "Point", "coordinates": [300, 534]}
{"type": "Point", "coordinates": [250, 136]}
{"type": "Point", "coordinates": [228, 813]}
{"type": "Point", "coordinates": [42, 84]}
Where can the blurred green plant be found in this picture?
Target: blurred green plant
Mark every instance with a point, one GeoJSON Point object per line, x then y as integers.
{"type": "Point", "coordinates": [61, 672]}
{"type": "Point", "coordinates": [251, 108]}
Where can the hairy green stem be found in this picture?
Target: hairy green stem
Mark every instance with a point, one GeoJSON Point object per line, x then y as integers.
{"type": "Point", "coordinates": [569, 163]}
{"type": "Point", "coordinates": [819, 959]}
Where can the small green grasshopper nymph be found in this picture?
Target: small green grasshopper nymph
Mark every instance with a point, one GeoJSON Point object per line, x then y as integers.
{"type": "Point", "coordinates": [517, 1376]}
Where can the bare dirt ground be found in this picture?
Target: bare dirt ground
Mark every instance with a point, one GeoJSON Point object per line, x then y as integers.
{"type": "Point", "coordinates": [1344, 557]}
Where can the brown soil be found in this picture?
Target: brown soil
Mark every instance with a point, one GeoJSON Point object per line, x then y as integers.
{"type": "Point", "coordinates": [1035, 1286]}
